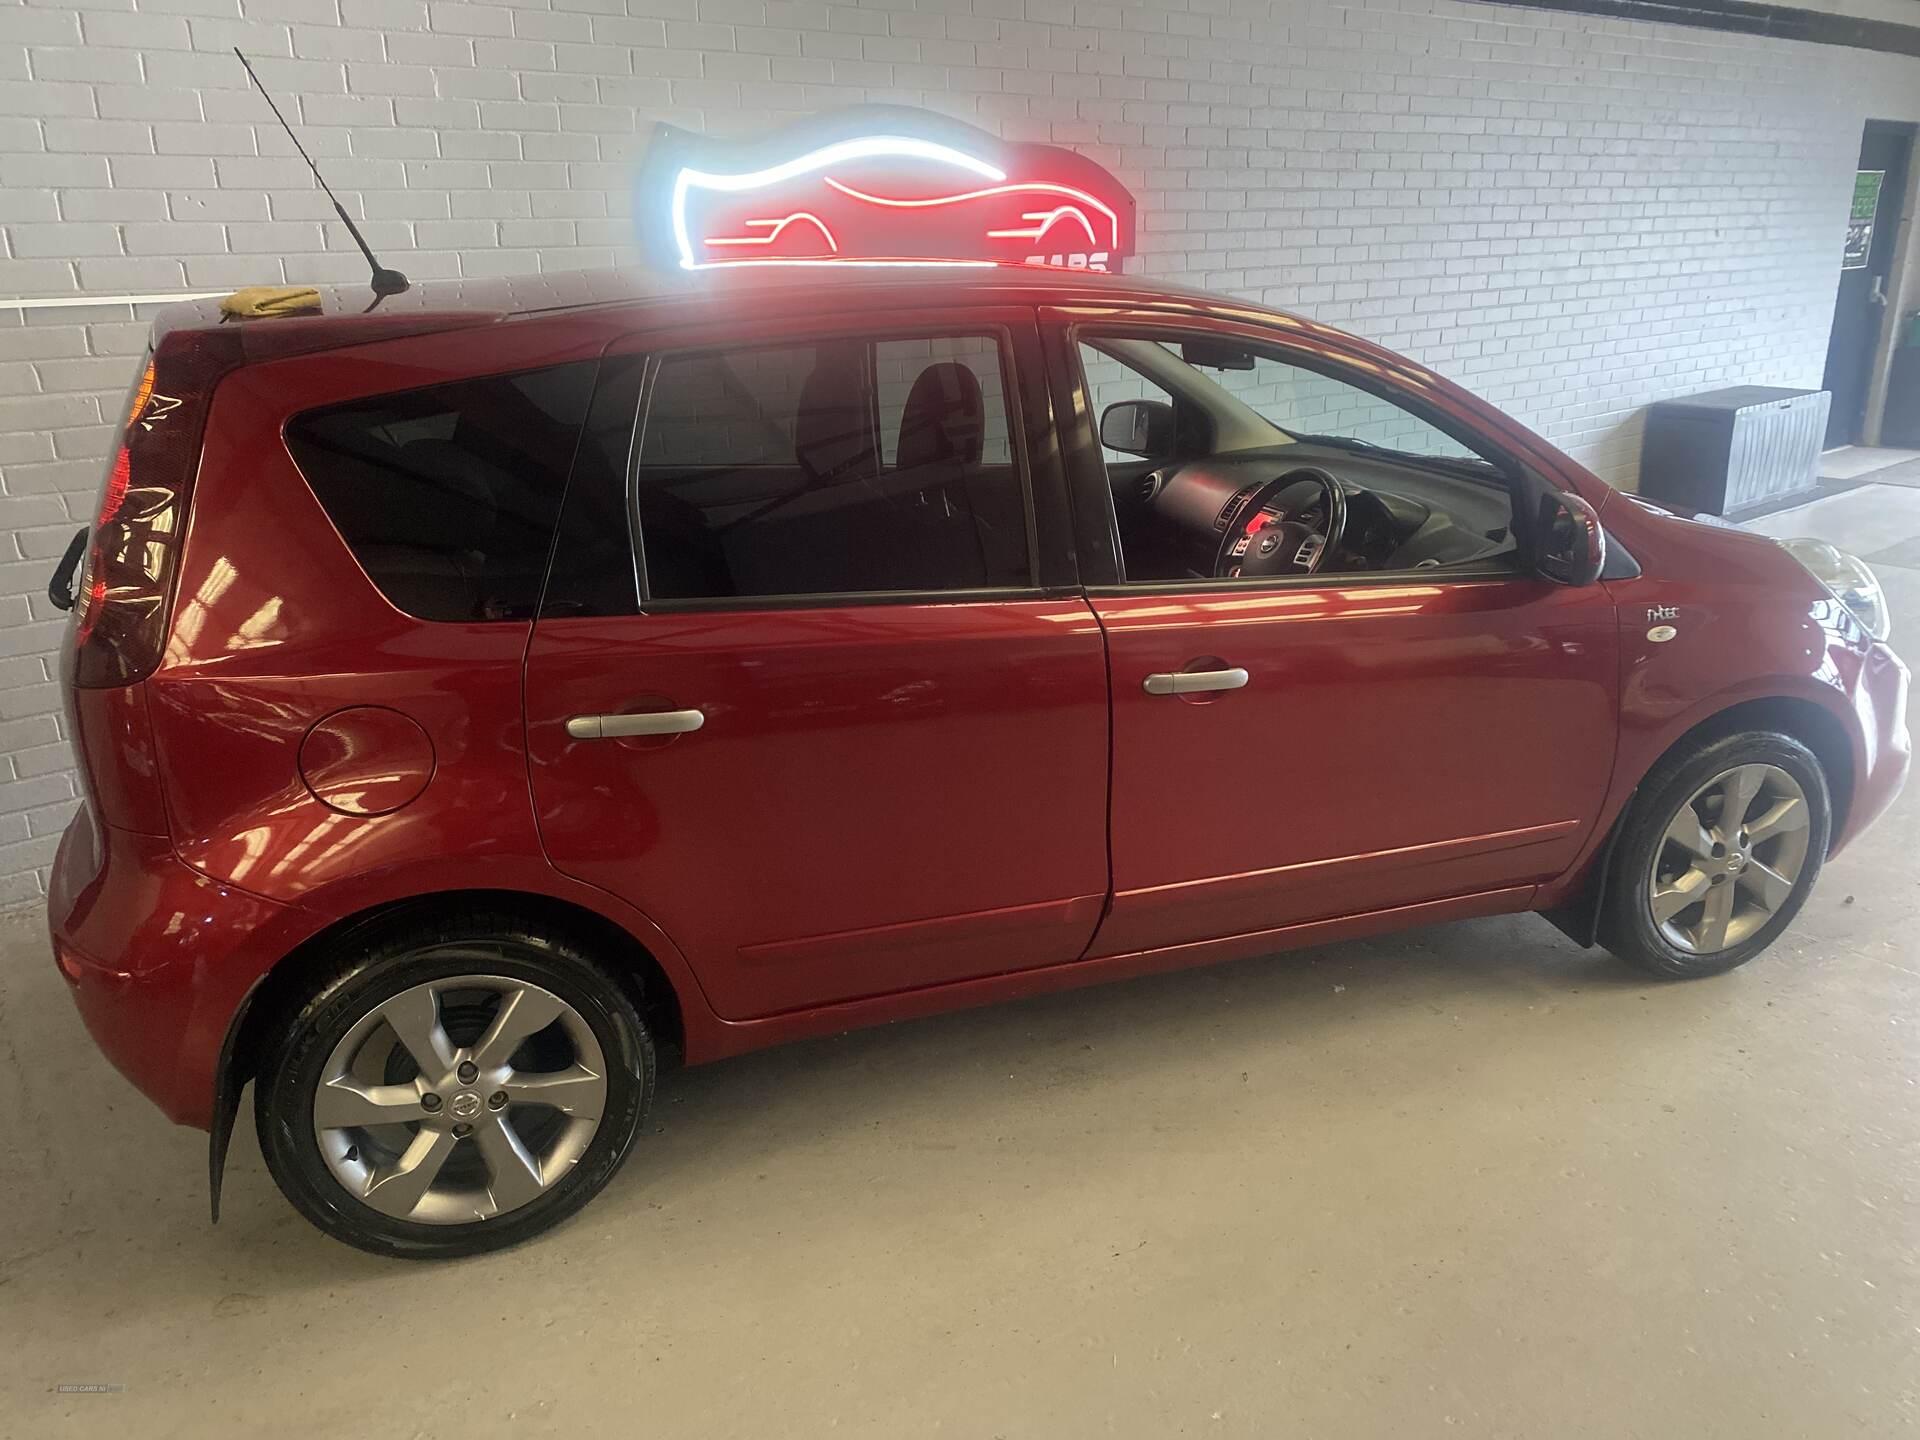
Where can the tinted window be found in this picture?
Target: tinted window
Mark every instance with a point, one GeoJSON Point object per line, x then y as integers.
{"type": "Point", "coordinates": [898, 364]}
{"type": "Point", "coordinates": [842, 466]}
{"type": "Point", "coordinates": [447, 496]}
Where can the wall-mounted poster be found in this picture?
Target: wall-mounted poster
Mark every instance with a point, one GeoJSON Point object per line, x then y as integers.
{"type": "Point", "coordinates": [1866, 203]}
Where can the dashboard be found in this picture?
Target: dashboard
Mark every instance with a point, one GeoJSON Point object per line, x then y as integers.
{"type": "Point", "coordinates": [1399, 515]}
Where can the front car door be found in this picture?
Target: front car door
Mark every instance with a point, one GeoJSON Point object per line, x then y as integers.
{"type": "Point", "coordinates": [802, 689]}
{"type": "Point", "coordinates": [1422, 719]}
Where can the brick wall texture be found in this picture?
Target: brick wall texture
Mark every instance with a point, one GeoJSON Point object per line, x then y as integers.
{"type": "Point", "coordinates": [1572, 216]}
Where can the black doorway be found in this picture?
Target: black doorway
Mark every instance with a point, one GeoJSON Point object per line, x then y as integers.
{"type": "Point", "coordinates": [1861, 307]}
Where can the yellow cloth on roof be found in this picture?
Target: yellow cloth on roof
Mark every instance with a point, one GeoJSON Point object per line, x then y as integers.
{"type": "Point", "coordinates": [271, 300]}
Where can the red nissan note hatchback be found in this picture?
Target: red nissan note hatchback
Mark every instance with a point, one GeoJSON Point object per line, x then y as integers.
{"type": "Point", "coordinates": [481, 697]}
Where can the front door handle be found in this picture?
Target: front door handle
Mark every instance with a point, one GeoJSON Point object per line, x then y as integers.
{"type": "Point", "coordinates": [651, 722]}
{"type": "Point", "coordinates": [1193, 682]}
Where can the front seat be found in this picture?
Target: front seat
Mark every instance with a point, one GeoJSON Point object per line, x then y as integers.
{"type": "Point", "coordinates": [943, 430]}
{"type": "Point", "coordinates": [833, 437]}
{"type": "Point", "coordinates": [943, 424]}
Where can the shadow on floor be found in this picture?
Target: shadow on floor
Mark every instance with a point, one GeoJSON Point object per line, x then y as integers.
{"type": "Point", "coordinates": [713, 1124]}
{"type": "Point", "coordinates": [1141, 1023]}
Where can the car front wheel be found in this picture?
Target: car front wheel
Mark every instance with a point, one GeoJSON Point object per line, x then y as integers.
{"type": "Point", "coordinates": [1720, 850]}
{"type": "Point", "coordinates": [451, 1089]}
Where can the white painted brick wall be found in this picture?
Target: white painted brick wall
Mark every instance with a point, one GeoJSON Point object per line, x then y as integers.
{"type": "Point", "coordinates": [1574, 217]}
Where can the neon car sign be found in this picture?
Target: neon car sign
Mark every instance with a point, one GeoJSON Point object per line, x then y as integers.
{"type": "Point", "coordinates": [878, 186]}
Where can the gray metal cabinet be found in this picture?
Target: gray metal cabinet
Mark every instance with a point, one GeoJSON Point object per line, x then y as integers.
{"type": "Point", "coordinates": [1728, 449]}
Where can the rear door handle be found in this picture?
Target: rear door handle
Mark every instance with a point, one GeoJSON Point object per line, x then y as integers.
{"type": "Point", "coordinates": [652, 722]}
{"type": "Point", "coordinates": [1193, 682]}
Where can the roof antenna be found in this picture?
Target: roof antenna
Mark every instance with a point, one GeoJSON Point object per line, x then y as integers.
{"type": "Point", "coordinates": [385, 282]}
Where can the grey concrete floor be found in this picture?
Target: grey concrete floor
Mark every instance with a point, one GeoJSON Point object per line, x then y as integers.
{"type": "Point", "coordinates": [1467, 1180]}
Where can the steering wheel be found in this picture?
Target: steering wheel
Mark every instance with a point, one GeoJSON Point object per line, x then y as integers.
{"type": "Point", "coordinates": [1267, 539]}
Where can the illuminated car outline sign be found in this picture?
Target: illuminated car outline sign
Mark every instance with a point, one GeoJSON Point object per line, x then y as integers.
{"type": "Point", "coordinates": [878, 186]}
{"type": "Point", "coordinates": [1046, 219]}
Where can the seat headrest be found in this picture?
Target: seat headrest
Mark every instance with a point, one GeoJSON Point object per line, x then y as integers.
{"type": "Point", "coordinates": [833, 439]}
{"type": "Point", "coordinates": [944, 421]}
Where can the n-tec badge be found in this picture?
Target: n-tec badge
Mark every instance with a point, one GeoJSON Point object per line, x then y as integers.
{"type": "Point", "coordinates": [1663, 612]}
{"type": "Point", "coordinates": [1660, 634]}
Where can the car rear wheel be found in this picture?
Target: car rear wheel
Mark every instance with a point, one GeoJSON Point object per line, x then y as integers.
{"type": "Point", "coordinates": [448, 1090]}
{"type": "Point", "coordinates": [1719, 852]}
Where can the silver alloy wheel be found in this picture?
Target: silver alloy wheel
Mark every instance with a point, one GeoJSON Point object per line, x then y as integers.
{"type": "Point", "coordinates": [1730, 859]}
{"type": "Point", "coordinates": [460, 1099]}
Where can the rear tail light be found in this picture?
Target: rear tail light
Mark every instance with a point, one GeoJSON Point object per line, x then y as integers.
{"type": "Point", "coordinates": [120, 622]}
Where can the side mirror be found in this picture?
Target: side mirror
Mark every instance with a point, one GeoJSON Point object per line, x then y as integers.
{"type": "Point", "coordinates": [1138, 427]}
{"type": "Point", "coordinates": [1572, 548]}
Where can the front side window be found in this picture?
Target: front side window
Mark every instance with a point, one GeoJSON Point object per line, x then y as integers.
{"type": "Point", "coordinates": [1310, 406]}
{"type": "Point", "coordinates": [850, 465]}
{"type": "Point", "coordinates": [1229, 460]}
{"type": "Point", "coordinates": [1110, 381]}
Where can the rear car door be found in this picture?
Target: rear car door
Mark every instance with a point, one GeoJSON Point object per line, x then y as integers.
{"type": "Point", "coordinates": [1402, 735]}
{"type": "Point", "coordinates": [807, 687]}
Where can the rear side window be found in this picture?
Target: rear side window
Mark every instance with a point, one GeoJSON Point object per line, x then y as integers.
{"type": "Point", "coordinates": [447, 496]}
{"type": "Point", "coordinates": [845, 466]}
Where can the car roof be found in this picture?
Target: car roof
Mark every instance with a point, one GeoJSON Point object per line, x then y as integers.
{"type": "Point", "coordinates": [457, 302]}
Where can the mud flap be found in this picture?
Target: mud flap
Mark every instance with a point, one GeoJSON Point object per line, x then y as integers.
{"type": "Point", "coordinates": [228, 1082]}
{"type": "Point", "coordinates": [1579, 920]}
{"type": "Point", "coordinates": [226, 1105]}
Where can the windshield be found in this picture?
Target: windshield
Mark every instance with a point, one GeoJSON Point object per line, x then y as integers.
{"type": "Point", "coordinates": [1256, 401]}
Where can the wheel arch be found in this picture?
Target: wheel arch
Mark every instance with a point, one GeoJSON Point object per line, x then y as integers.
{"type": "Point", "coordinates": [283, 987]}
{"type": "Point", "coordinates": [1808, 721]}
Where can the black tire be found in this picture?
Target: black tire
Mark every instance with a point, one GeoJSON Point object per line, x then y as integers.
{"type": "Point", "coordinates": [373, 969]}
{"type": "Point", "coordinates": [1627, 925]}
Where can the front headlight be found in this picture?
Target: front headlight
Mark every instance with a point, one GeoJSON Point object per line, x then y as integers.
{"type": "Point", "coordinates": [1847, 576]}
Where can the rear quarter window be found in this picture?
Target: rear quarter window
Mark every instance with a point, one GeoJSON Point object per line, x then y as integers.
{"type": "Point", "coordinates": [447, 496]}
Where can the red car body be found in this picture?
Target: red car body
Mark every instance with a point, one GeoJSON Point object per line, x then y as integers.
{"type": "Point", "coordinates": [1463, 749]}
